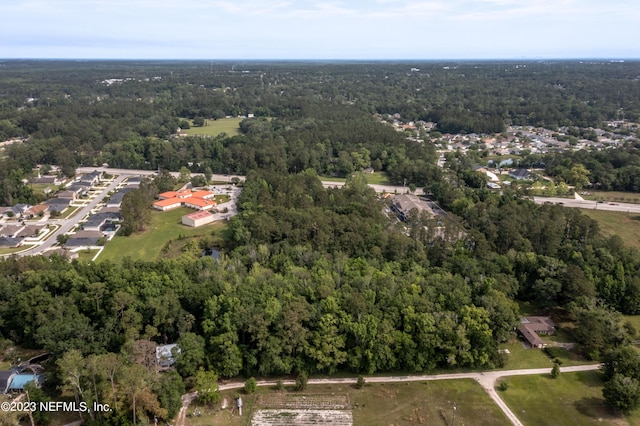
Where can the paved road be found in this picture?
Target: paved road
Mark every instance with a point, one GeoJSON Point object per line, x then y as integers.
{"type": "Point", "coordinates": [227, 178]}
{"type": "Point", "coordinates": [587, 204]}
{"type": "Point", "coordinates": [65, 225]}
{"type": "Point", "coordinates": [131, 172]}
{"type": "Point", "coordinates": [378, 188]}
{"type": "Point", "coordinates": [486, 379]}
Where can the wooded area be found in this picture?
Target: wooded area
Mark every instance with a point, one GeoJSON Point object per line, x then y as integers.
{"type": "Point", "coordinates": [313, 280]}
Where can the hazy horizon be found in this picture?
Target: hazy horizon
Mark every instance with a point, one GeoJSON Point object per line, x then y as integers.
{"type": "Point", "coordinates": [320, 30]}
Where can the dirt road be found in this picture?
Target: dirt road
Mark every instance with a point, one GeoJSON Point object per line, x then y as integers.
{"type": "Point", "coordinates": [486, 379]}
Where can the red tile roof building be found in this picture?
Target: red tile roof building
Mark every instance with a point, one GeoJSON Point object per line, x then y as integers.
{"type": "Point", "coordinates": [199, 200]}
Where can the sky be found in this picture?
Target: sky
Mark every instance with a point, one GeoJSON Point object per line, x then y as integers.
{"type": "Point", "coordinates": [303, 29]}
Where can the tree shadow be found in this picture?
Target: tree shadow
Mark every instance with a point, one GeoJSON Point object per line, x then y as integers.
{"type": "Point", "coordinates": [595, 408]}
{"type": "Point", "coordinates": [635, 217]}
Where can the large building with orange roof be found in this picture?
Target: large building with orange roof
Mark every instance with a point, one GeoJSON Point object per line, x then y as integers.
{"type": "Point", "coordinates": [199, 200]}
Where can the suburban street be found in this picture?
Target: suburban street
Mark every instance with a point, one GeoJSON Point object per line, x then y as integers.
{"type": "Point", "coordinates": [65, 225]}
{"type": "Point", "coordinates": [486, 379]}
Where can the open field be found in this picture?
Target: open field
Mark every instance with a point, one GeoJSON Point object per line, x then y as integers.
{"type": "Point", "coordinates": [573, 399]}
{"type": "Point", "coordinates": [627, 226]}
{"type": "Point", "coordinates": [165, 226]}
{"type": "Point", "coordinates": [613, 196]}
{"type": "Point", "coordinates": [376, 178]}
{"type": "Point", "coordinates": [230, 126]}
{"type": "Point", "coordinates": [398, 404]}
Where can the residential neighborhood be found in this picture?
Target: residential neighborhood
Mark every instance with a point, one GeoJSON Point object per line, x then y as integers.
{"type": "Point", "coordinates": [84, 213]}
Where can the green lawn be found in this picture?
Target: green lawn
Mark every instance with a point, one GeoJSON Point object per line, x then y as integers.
{"type": "Point", "coordinates": [165, 226]}
{"type": "Point", "coordinates": [573, 399]}
{"type": "Point", "coordinates": [398, 404]}
{"type": "Point", "coordinates": [627, 226]}
{"type": "Point", "coordinates": [87, 255]}
{"type": "Point", "coordinates": [613, 196]}
{"type": "Point", "coordinates": [520, 356]}
{"type": "Point", "coordinates": [230, 126]}
{"type": "Point", "coordinates": [69, 212]}
{"type": "Point", "coordinates": [23, 247]}
{"type": "Point", "coordinates": [376, 178]}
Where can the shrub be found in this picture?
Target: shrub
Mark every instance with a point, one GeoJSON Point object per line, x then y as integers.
{"type": "Point", "coordinates": [301, 381]}
{"type": "Point", "coordinates": [250, 385]}
{"type": "Point", "coordinates": [360, 382]}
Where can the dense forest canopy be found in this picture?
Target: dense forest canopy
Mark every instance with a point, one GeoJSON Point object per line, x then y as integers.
{"type": "Point", "coordinates": [314, 279]}
{"type": "Point", "coordinates": [123, 113]}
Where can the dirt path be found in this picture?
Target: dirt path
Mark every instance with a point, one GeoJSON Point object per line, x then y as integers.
{"type": "Point", "coordinates": [486, 379]}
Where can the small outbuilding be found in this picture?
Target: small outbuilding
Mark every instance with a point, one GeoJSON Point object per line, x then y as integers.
{"type": "Point", "coordinates": [198, 218]}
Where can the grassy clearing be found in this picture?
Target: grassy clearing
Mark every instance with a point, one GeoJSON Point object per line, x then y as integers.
{"type": "Point", "coordinates": [165, 226]}
{"type": "Point", "coordinates": [398, 404]}
{"type": "Point", "coordinates": [627, 226]}
{"type": "Point", "coordinates": [573, 399]}
{"type": "Point", "coordinates": [613, 196]}
{"type": "Point", "coordinates": [230, 126]}
{"type": "Point", "coordinates": [376, 178]}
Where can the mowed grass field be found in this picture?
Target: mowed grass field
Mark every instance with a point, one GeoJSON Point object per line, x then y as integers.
{"type": "Point", "coordinates": [230, 126]}
{"type": "Point", "coordinates": [573, 399]}
{"type": "Point", "coordinates": [398, 404]}
{"type": "Point", "coordinates": [165, 226]}
{"type": "Point", "coordinates": [376, 178]}
{"type": "Point", "coordinates": [627, 226]}
{"type": "Point", "coordinates": [613, 196]}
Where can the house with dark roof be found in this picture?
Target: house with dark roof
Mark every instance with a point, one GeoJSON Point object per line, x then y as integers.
{"type": "Point", "coordinates": [521, 174]}
{"type": "Point", "coordinates": [531, 327]}
{"type": "Point", "coordinates": [116, 199]}
{"type": "Point", "coordinates": [96, 221]}
{"type": "Point", "coordinates": [79, 242]}
{"type": "Point", "coordinates": [58, 204]}
{"type": "Point", "coordinates": [46, 180]}
{"type": "Point", "coordinates": [92, 178]}
{"type": "Point", "coordinates": [10, 242]}
{"type": "Point", "coordinates": [19, 209]}
{"type": "Point", "coordinates": [405, 203]}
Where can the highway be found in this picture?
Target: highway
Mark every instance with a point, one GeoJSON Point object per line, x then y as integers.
{"type": "Point", "coordinates": [587, 204]}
